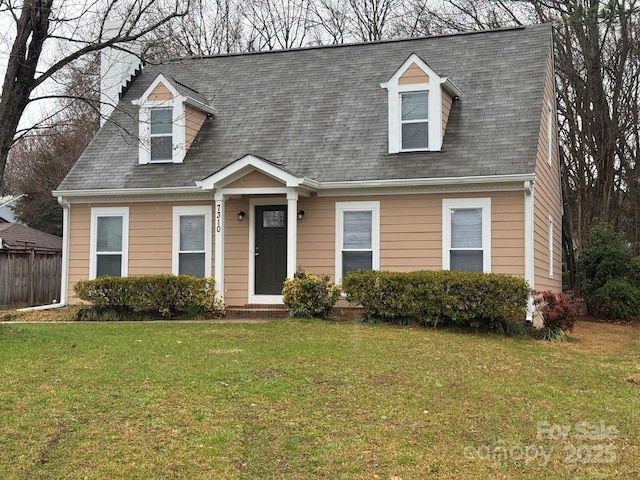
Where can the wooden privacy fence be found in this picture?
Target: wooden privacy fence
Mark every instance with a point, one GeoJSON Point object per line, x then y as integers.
{"type": "Point", "coordinates": [29, 277]}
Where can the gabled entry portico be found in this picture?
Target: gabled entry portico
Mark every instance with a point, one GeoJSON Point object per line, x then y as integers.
{"type": "Point", "coordinates": [272, 224]}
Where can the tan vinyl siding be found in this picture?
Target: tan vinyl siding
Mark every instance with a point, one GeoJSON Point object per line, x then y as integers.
{"type": "Point", "coordinates": [236, 252]}
{"type": "Point", "coordinates": [447, 101]}
{"type": "Point", "coordinates": [159, 94]}
{"type": "Point", "coordinates": [316, 235]}
{"type": "Point", "coordinates": [412, 75]}
{"type": "Point", "coordinates": [547, 197]}
{"type": "Point", "coordinates": [410, 236]}
{"type": "Point", "coordinates": [79, 247]}
{"type": "Point", "coordinates": [255, 179]}
{"type": "Point", "coordinates": [194, 120]}
{"type": "Point", "coordinates": [150, 239]}
{"type": "Point", "coordinates": [411, 232]}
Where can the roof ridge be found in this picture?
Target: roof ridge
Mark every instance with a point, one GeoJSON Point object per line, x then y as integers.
{"type": "Point", "coordinates": [352, 44]}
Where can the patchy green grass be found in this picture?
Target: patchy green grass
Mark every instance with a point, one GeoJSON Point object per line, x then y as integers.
{"type": "Point", "coordinates": [311, 399]}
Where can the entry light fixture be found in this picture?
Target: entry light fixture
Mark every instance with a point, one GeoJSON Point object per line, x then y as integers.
{"type": "Point", "coordinates": [300, 214]}
{"type": "Point", "coordinates": [241, 216]}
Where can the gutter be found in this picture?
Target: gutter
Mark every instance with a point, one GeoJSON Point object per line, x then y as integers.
{"type": "Point", "coordinates": [421, 182]}
{"type": "Point", "coordinates": [123, 191]}
{"type": "Point", "coordinates": [529, 274]}
{"type": "Point", "coordinates": [65, 262]}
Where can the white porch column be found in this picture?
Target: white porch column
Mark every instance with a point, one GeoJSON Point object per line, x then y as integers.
{"type": "Point", "coordinates": [292, 232]}
{"type": "Point", "coordinates": [219, 235]}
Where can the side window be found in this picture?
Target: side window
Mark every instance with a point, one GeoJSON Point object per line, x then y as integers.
{"type": "Point", "coordinates": [192, 241]}
{"type": "Point", "coordinates": [466, 235]}
{"type": "Point", "coordinates": [109, 242]}
{"type": "Point", "coordinates": [357, 237]}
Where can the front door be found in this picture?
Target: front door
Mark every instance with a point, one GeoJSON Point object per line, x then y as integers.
{"type": "Point", "coordinates": [270, 249]}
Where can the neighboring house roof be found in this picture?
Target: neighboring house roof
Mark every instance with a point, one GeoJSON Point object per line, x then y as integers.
{"type": "Point", "coordinates": [20, 237]}
{"type": "Point", "coordinates": [6, 209]}
{"type": "Point", "coordinates": [322, 113]}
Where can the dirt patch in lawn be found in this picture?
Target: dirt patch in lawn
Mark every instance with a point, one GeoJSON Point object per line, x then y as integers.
{"type": "Point", "coordinates": [53, 315]}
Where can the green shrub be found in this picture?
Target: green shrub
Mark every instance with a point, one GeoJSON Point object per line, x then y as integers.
{"type": "Point", "coordinates": [617, 299]}
{"type": "Point", "coordinates": [168, 295]}
{"type": "Point", "coordinates": [478, 300]}
{"type": "Point", "coordinates": [309, 296]}
{"type": "Point", "coordinates": [560, 311]}
{"type": "Point", "coordinates": [610, 275]}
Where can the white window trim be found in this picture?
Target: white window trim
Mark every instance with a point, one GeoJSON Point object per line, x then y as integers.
{"type": "Point", "coordinates": [97, 212]}
{"type": "Point", "coordinates": [341, 207]}
{"type": "Point", "coordinates": [179, 211]}
{"type": "Point", "coordinates": [177, 103]}
{"type": "Point", "coordinates": [449, 204]}
{"type": "Point", "coordinates": [434, 89]}
{"type": "Point", "coordinates": [551, 253]}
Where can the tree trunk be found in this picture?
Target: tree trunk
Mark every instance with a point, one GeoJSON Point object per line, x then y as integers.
{"type": "Point", "coordinates": [18, 83]}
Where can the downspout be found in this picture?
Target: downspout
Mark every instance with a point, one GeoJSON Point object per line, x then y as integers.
{"type": "Point", "coordinates": [65, 262]}
{"type": "Point", "coordinates": [528, 245]}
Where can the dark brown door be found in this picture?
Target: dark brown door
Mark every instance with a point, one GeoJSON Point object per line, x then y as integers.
{"type": "Point", "coordinates": [271, 249]}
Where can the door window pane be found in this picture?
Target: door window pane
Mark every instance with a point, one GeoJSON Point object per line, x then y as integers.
{"type": "Point", "coordinates": [273, 219]}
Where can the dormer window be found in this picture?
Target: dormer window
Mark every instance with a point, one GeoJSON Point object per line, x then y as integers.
{"type": "Point", "coordinates": [415, 120]}
{"type": "Point", "coordinates": [419, 104]}
{"type": "Point", "coordinates": [170, 117]}
{"type": "Point", "coordinates": [161, 134]}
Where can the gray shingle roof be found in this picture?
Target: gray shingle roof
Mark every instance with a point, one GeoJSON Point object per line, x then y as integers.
{"type": "Point", "coordinates": [16, 236]}
{"type": "Point", "coordinates": [322, 114]}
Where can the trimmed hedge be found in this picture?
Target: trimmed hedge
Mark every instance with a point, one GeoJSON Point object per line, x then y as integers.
{"type": "Point", "coordinates": [485, 301]}
{"type": "Point", "coordinates": [167, 295]}
{"type": "Point", "coordinates": [309, 296]}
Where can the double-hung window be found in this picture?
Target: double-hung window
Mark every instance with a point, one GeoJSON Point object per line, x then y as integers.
{"type": "Point", "coordinates": [357, 237]}
{"type": "Point", "coordinates": [161, 131]}
{"type": "Point", "coordinates": [109, 242]}
{"type": "Point", "coordinates": [415, 120]}
{"type": "Point", "coordinates": [192, 241]}
{"type": "Point", "coordinates": [466, 232]}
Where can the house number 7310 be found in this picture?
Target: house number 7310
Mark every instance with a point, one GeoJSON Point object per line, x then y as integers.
{"type": "Point", "coordinates": [218, 218]}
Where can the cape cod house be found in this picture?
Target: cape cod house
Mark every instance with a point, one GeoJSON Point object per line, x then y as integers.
{"type": "Point", "coordinates": [429, 153]}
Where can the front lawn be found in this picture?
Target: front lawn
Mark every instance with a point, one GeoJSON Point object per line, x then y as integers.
{"type": "Point", "coordinates": [313, 399]}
